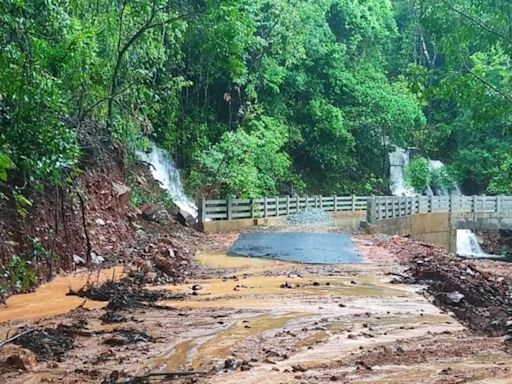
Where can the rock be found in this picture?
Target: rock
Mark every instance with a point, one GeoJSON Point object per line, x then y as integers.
{"type": "Point", "coordinates": [17, 358]}
{"type": "Point", "coordinates": [122, 192]}
{"type": "Point", "coordinates": [78, 260]}
{"type": "Point", "coordinates": [185, 218]}
{"type": "Point", "coordinates": [310, 216]}
{"type": "Point", "coordinates": [164, 265]}
{"type": "Point", "coordinates": [229, 364]}
{"type": "Point", "coordinates": [153, 212]}
{"type": "Point", "coordinates": [100, 221]}
{"type": "Point", "coordinates": [96, 259]}
{"type": "Point", "coordinates": [299, 368]}
{"type": "Point", "coordinates": [286, 285]}
{"type": "Point", "coordinates": [446, 371]}
{"type": "Point", "coordinates": [454, 297]}
{"type": "Point", "coordinates": [196, 287]}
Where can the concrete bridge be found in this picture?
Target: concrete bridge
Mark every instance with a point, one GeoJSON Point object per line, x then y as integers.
{"type": "Point", "coordinates": [433, 219]}
{"type": "Point", "coordinates": [436, 219]}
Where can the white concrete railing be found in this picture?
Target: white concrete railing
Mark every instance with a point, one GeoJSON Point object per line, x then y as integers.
{"type": "Point", "coordinates": [388, 207]}
{"type": "Point", "coordinates": [232, 209]}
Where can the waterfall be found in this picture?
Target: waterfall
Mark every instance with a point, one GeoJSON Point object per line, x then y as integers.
{"type": "Point", "coordinates": [468, 245]}
{"type": "Point", "coordinates": [467, 242]}
{"type": "Point", "coordinates": [436, 165]}
{"type": "Point", "coordinates": [164, 170]}
{"type": "Point", "coordinates": [399, 160]}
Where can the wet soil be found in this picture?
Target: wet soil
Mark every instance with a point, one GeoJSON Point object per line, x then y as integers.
{"type": "Point", "coordinates": [245, 320]}
{"type": "Point", "coordinates": [481, 299]}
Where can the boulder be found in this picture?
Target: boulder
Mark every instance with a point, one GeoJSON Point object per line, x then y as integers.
{"type": "Point", "coordinates": [122, 192]}
{"type": "Point", "coordinates": [154, 212]}
{"type": "Point", "coordinates": [186, 218]}
{"type": "Point", "coordinates": [164, 265]}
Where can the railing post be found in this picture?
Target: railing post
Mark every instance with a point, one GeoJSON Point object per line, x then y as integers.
{"type": "Point", "coordinates": [287, 205]}
{"type": "Point", "coordinates": [417, 201]}
{"type": "Point", "coordinates": [353, 202]}
{"type": "Point", "coordinates": [430, 204]}
{"type": "Point", "coordinates": [230, 208]}
{"type": "Point", "coordinates": [473, 207]}
{"type": "Point", "coordinates": [393, 207]}
{"type": "Point", "coordinates": [297, 205]}
{"type": "Point", "coordinates": [371, 210]}
{"type": "Point", "coordinates": [202, 210]}
{"type": "Point", "coordinates": [335, 203]}
{"type": "Point", "coordinates": [450, 203]}
{"type": "Point", "coordinates": [265, 207]}
{"type": "Point", "coordinates": [498, 204]}
{"type": "Point", "coordinates": [252, 208]}
{"type": "Point", "coordinates": [277, 206]}
{"type": "Point", "coordinates": [321, 198]}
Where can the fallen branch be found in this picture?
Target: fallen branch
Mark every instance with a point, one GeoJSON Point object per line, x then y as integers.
{"type": "Point", "coordinates": [11, 339]}
{"type": "Point", "coordinates": [175, 374]}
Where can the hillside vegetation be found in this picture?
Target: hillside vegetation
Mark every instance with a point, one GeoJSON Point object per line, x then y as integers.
{"type": "Point", "coordinates": [258, 97]}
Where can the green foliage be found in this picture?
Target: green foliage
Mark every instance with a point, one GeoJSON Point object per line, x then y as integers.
{"type": "Point", "coordinates": [6, 164]}
{"type": "Point", "coordinates": [18, 274]}
{"type": "Point", "coordinates": [247, 163]}
{"type": "Point", "coordinates": [441, 178]}
{"type": "Point", "coordinates": [39, 252]}
{"type": "Point", "coordinates": [418, 175]}
{"type": "Point", "coordinates": [321, 83]}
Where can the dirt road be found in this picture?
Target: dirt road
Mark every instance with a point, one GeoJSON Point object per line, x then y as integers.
{"type": "Point", "coordinates": [245, 320]}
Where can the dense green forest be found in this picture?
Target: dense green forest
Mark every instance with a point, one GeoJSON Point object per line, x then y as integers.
{"type": "Point", "coordinates": [257, 97]}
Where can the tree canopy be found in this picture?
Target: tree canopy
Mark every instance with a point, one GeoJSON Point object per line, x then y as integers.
{"type": "Point", "coordinates": [258, 97]}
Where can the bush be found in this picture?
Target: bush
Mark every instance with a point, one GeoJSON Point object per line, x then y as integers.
{"type": "Point", "coordinates": [418, 175]}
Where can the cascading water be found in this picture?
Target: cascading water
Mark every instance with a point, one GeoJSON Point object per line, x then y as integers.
{"type": "Point", "coordinates": [467, 241]}
{"type": "Point", "coordinates": [437, 165]}
{"type": "Point", "coordinates": [468, 245]}
{"type": "Point", "coordinates": [164, 170]}
{"type": "Point", "coordinates": [398, 162]}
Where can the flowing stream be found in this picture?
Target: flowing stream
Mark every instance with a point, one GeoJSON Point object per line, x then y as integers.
{"type": "Point", "coordinates": [164, 169]}
{"type": "Point", "coordinates": [467, 241]}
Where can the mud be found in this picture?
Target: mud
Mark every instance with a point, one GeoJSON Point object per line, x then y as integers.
{"type": "Point", "coordinates": [236, 324]}
{"type": "Point", "coordinates": [124, 294]}
{"type": "Point", "coordinates": [482, 300]}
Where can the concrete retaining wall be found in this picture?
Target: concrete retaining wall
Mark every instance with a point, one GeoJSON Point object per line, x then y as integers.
{"type": "Point", "coordinates": [433, 228]}
{"type": "Point", "coordinates": [440, 228]}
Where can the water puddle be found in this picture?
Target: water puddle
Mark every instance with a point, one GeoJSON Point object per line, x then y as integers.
{"type": "Point", "coordinates": [310, 248]}
{"type": "Point", "coordinates": [50, 299]}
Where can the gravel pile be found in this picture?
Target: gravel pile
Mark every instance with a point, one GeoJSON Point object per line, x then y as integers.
{"type": "Point", "coordinates": [310, 216]}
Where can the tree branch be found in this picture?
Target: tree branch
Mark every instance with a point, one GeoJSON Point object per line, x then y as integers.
{"type": "Point", "coordinates": [477, 21]}
{"type": "Point", "coordinates": [487, 83]}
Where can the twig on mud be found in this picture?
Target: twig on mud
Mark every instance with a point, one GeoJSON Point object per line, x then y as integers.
{"type": "Point", "coordinates": [175, 374]}
{"type": "Point", "coordinates": [11, 339]}
{"type": "Point", "coordinates": [163, 376]}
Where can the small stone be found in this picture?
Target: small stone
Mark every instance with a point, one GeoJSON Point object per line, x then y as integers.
{"type": "Point", "coordinates": [229, 364]}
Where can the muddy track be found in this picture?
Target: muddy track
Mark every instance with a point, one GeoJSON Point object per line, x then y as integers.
{"type": "Point", "coordinates": [258, 321]}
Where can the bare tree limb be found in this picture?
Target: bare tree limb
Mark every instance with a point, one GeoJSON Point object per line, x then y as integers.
{"type": "Point", "coordinates": [477, 21]}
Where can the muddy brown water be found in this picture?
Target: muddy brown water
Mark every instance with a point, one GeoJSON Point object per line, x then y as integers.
{"type": "Point", "coordinates": [50, 299]}
{"type": "Point", "coordinates": [317, 331]}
